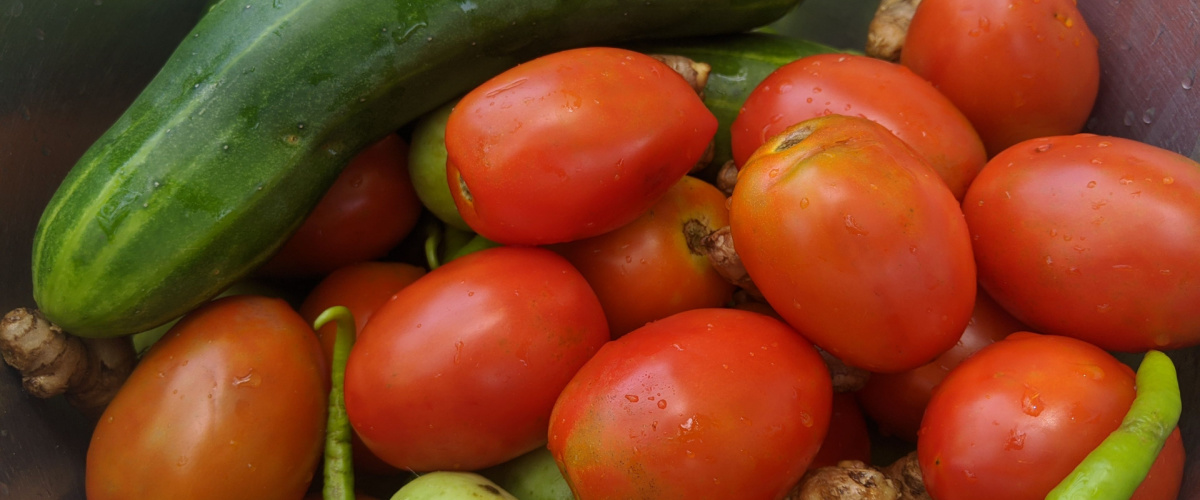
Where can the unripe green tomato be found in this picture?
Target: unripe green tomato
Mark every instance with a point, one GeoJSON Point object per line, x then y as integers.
{"type": "Point", "coordinates": [427, 166]}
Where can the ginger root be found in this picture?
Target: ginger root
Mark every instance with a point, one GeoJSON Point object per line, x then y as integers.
{"type": "Point", "coordinates": [695, 73]}
{"type": "Point", "coordinates": [845, 378]}
{"type": "Point", "coordinates": [51, 362]}
{"type": "Point", "coordinates": [718, 247]}
{"type": "Point", "coordinates": [889, 28]}
{"type": "Point", "coordinates": [855, 480]}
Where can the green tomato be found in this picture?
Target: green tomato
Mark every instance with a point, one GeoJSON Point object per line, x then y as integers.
{"type": "Point", "coordinates": [532, 476]}
{"type": "Point", "coordinates": [427, 166]}
{"type": "Point", "coordinates": [448, 485]}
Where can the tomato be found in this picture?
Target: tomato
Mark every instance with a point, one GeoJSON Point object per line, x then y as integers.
{"type": "Point", "coordinates": [855, 241]}
{"type": "Point", "coordinates": [1018, 69]}
{"type": "Point", "coordinates": [427, 166]}
{"type": "Point", "coordinates": [1028, 407]}
{"type": "Point", "coordinates": [1166, 474]}
{"type": "Point", "coordinates": [229, 404]}
{"type": "Point", "coordinates": [885, 92]}
{"type": "Point", "coordinates": [896, 401]}
{"type": "Point", "coordinates": [652, 267]}
{"type": "Point", "coordinates": [847, 438]}
{"type": "Point", "coordinates": [369, 209]}
{"type": "Point", "coordinates": [361, 287]}
{"type": "Point", "coordinates": [1092, 237]}
{"type": "Point", "coordinates": [460, 369]}
{"type": "Point", "coordinates": [707, 403]}
{"type": "Point", "coordinates": [572, 144]}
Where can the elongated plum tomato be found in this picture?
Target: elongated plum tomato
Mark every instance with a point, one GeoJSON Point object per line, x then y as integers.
{"type": "Point", "coordinates": [229, 404]}
{"type": "Point", "coordinates": [1030, 407]}
{"type": "Point", "coordinates": [369, 209]}
{"type": "Point", "coordinates": [885, 92]}
{"type": "Point", "coordinates": [707, 403]}
{"type": "Point", "coordinates": [652, 267]}
{"type": "Point", "coordinates": [1018, 69]}
{"type": "Point", "coordinates": [1092, 237]}
{"type": "Point", "coordinates": [572, 144]}
{"type": "Point", "coordinates": [856, 242]}
{"type": "Point", "coordinates": [896, 401]}
{"type": "Point", "coordinates": [360, 287]}
{"type": "Point", "coordinates": [460, 369]}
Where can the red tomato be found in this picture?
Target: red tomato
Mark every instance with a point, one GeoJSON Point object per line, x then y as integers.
{"type": "Point", "coordinates": [651, 268]}
{"type": "Point", "coordinates": [707, 403]}
{"type": "Point", "coordinates": [1014, 419]}
{"type": "Point", "coordinates": [460, 369]}
{"type": "Point", "coordinates": [1092, 237]}
{"type": "Point", "coordinates": [361, 287]}
{"type": "Point", "coordinates": [896, 401]}
{"type": "Point", "coordinates": [369, 209]}
{"type": "Point", "coordinates": [1018, 69]}
{"type": "Point", "coordinates": [885, 92]}
{"type": "Point", "coordinates": [572, 144]}
{"type": "Point", "coordinates": [855, 241]}
{"type": "Point", "coordinates": [847, 438]}
{"type": "Point", "coordinates": [229, 404]}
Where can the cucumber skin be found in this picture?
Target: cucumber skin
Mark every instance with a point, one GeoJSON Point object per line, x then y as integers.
{"type": "Point", "coordinates": [739, 63]}
{"type": "Point", "coordinates": [223, 154]}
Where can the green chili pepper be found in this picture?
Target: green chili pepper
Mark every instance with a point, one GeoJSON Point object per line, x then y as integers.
{"type": "Point", "coordinates": [1115, 468]}
{"type": "Point", "coordinates": [476, 244]}
{"type": "Point", "coordinates": [339, 462]}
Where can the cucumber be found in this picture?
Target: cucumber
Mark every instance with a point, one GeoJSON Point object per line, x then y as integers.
{"type": "Point", "coordinates": [739, 63]}
{"type": "Point", "coordinates": [223, 154]}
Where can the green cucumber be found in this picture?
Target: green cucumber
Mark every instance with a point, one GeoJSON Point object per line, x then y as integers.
{"type": "Point", "coordinates": [739, 63]}
{"type": "Point", "coordinates": [223, 154]}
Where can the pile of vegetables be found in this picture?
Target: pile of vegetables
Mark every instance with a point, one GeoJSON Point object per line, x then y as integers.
{"type": "Point", "coordinates": [511, 249]}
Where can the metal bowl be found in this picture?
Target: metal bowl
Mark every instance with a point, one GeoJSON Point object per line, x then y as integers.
{"type": "Point", "coordinates": [68, 68]}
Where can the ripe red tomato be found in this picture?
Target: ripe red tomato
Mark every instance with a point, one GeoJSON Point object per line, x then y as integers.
{"type": "Point", "coordinates": [572, 144]}
{"type": "Point", "coordinates": [856, 242]}
{"type": "Point", "coordinates": [885, 92]}
{"type": "Point", "coordinates": [460, 369]}
{"type": "Point", "coordinates": [369, 209]}
{"type": "Point", "coordinates": [1011, 421]}
{"type": "Point", "coordinates": [361, 287]}
{"type": "Point", "coordinates": [896, 401]}
{"type": "Point", "coordinates": [651, 268]}
{"type": "Point", "coordinates": [848, 437]}
{"type": "Point", "coordinates": [707, 403]}
{"type": "Point", "coordinates": [1092, 237]}
{"type": "Point", "coordinates": [1018, 69]}
{"type": "Point", "coordinates": [229, 404]}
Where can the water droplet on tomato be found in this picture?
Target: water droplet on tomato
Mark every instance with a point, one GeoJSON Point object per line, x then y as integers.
{"type": "Point", "coordinates": [1168, 180]}
{"type": "Point", "coordinates": [1016, 440]}
{"type": "Point", "coordinates": [1031, 403]}
{"type": "Point", "coordinates": [632, 398]}
{"type": "Point", "coordinates": [803, 203]}
{"type": "Point", "coordinates": [1091, 184]}
{"type": "Point", "coordinates": [662, 404]}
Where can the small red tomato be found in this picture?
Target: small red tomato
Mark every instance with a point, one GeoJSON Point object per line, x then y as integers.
{"type": "Point", "coordinates": [572, 144]}
{"type": "Point", "coordinates": [369, 209]}
{"type": "Point", "coordinates": [1018, 69]}
{"type": "Point", "coordinates": [652, 267]}
{"type": "Point", "coordinates": [896, 401]}
{"type": "Point", "coordinates": [229, 404]}
{"type": "Point", "coordinates": [848, 437]}
{"type": "Point", "coordinates": [460, 369]}
{"type": "Point", "coordinates": [707, 403]}
{"type": "Point", "coordinates": [361, 287]}
{"type": "Point", "coordinates": [856, 242]}
{"type": "Point", "coordinates": [885, 92]}
{"type": "Point", "coordinates": [1092, 237]}
{"type": "Point", "coordinates": [1028, 407]}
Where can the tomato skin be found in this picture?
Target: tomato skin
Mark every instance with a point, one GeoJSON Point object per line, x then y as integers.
{"type": "Point", "coordinates": [360, 287]}
{"type": "Point", "coordinates": [885, 92]}
{"type": "Point", "coordinates": [1029, 407]}
{"type": "Point", "coordinates": [1092, 237]}
{"type": "Point", "coordinates": [1165, 477]}
{"type": "Point", "coordinates": [707, 403]}
{"type": "Point", "coordinates": [1018, 69]}
{"type": "Point", "coordinates": [847, 438]}
{"type": "Point", "coordinates": [886, 281]}
{"type": "Point", "coordinates": [646, 270]}
{"type": "Point", "coordinates": [460, 369]}
{"type": "Point", "coordinates": [572, 144]}
{"type": "Point", "coordinates": [369, 209]}
{"type": "Point", "coordinates": [896, 401]}
{"type": "Point", "coordinates": [229, 404]}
